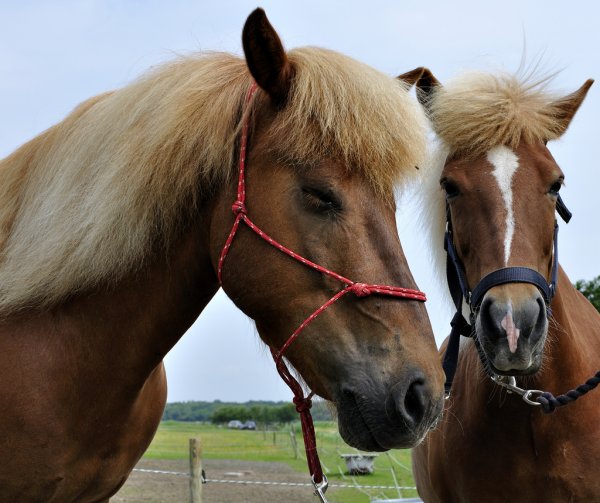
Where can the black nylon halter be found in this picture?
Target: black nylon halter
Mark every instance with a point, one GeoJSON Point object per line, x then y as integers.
{"type": "Point", "coordinates": [459, 290]}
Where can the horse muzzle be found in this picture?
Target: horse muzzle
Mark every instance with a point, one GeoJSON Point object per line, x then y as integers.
{"type": "Point", "coordinates": [512, 330]}
{"type": "Point", "coordinates": [374, 418]}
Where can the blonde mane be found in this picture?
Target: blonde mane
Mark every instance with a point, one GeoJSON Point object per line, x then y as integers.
{"type": "Point", "coordinates": [479, 111]}
{"type": "Point", "coordinates": [91, 198]}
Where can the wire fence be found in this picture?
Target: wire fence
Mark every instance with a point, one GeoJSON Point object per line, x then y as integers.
{"type": "Point", "coordinates": [389, 481]}
{"type": "Point", "coordinates": [272, 483]}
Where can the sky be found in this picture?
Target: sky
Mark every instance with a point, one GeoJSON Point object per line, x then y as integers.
{"type": "Point", "coordinates": [54, 54]}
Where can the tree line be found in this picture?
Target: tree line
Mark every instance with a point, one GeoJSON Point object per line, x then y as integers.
{"type": "Point", "coordinates": [262, 412]}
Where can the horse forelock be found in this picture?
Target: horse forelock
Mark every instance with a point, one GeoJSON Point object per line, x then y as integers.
{"type": "Point", "coordinates": [345, 109]}
{"type": "Point", "coordinates": [89, 199]}
{"type": "Point", "coordinates": [479, 111]}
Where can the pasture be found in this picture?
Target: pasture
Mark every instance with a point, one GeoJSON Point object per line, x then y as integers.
{"type": "Point", "coordinates": [262, 456]}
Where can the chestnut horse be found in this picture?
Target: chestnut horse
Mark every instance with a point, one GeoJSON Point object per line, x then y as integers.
{"type": "Point", "coordinates": [496, 191]}
{"type": "Point", "coordinates": [112, 223]}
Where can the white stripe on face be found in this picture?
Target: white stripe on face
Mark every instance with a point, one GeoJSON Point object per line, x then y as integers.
{"type": "Point", "coordinates": [505, 163]}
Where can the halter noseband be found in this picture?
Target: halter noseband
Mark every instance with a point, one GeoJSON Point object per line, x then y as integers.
{"type": "Point", "coordinates": [460, 292]}
{"type": "Point", "coordinates": [302, 403]}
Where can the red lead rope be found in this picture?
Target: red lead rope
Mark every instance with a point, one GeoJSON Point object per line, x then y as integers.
{"type": "Point", "coordinates": [302, 403]}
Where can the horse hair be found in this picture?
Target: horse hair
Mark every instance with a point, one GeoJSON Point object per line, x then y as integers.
{"type": "Point", "coordinates": [90, 199]}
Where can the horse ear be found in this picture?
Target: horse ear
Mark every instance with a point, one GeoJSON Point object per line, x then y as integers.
{"type": "Point", "coordinates": [565, 108]}
{"type": "Point", "coordinates": [426, 86]}
{"type": "Point", "coordinates": [266, 57]}
{"type": "Point", "coordinates": [412, 76]}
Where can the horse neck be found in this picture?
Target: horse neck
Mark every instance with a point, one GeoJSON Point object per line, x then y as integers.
{"type": "Point", "coordinates": [573, 339]}
{"type": "Point", "coordinates": [145, 314]}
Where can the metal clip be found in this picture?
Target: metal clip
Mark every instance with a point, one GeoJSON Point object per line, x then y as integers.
{"type": "Point", "coordinates": [510, 383]}
{"type": "Point", "coordinates": [526, 396]}
{"type": "Point", "coordinates": [321, 488]}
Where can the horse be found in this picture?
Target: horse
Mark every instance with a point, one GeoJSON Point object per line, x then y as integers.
{"type": "Point", "coordinates": [496, 191]}
{"type": "Point", "coordinates": [116, 230]}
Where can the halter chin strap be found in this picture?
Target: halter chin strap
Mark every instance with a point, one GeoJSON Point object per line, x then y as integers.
{"type": "Point", "coordinates": [302, 402]}
{"type": "Point", "coordinates": [460, 292]}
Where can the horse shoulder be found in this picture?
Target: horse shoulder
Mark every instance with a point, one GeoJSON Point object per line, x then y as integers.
{"type": "Point", "coordinates": [102, 429]}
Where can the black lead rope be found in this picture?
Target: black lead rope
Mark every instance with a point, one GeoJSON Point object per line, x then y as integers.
{"type": "Point", "coordinates": [549, 402]}
{"type": "Point", "coordinates": [460, 292]}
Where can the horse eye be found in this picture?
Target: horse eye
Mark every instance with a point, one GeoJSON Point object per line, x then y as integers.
{"type": "Point", "coordinates": [555, 188]}
{"type": "Point", "coordinates": [450, 188]}
{"type": "Point", "coordinates": [321, 201]}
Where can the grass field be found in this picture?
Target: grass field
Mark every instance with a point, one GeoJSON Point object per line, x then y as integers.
{"type": "Point", "coordinates": [391, 469]}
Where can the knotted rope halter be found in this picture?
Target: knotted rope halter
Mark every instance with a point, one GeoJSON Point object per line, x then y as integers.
{"type": "Point", "coordinates": [302, 403]}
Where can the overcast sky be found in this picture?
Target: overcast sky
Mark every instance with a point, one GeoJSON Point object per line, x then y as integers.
{"type": "Point", "coordinates": [55, 54]}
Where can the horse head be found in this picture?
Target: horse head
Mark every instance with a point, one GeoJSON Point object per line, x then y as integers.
{"type": "Point", "coordinates": [325, 143]}
{"type": "Point", "coordinates": [501, 187]}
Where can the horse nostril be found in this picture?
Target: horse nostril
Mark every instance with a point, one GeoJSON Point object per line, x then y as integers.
{"type": "Point", "coordinates": [541, 320]}
{"type": "Point", "coordinates": [415, 401]}
{"type": "Point", "coordinates": [490, 320]}
{"type": "Point", "coordinates": [409, 404]}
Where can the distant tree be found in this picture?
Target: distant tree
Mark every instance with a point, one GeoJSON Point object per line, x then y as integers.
{"type": "Point", "coordinates": [265, 413]}
{"type": "Point", "coordinates": [591, 290]}
{"type": "Point", "coordinates": [322, 410]}
{"type": "Point", "coordinates": [286, 413]}
{"type": "Point", "coordinates": [230, 412]}
{"type": "Point", "coordinates": [260, 414]}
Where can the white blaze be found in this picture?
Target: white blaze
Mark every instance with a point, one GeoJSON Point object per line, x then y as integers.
{"type": "Point", "coordinates": [505, 163]}
{"type": "Point", "coordinates": [512, 332]}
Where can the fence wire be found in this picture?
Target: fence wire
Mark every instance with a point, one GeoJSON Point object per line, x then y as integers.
{"type": "Point", "coordinates": [267, 483]}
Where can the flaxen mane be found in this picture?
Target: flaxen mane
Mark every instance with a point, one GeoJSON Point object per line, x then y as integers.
{"type": "Point", "coordinates": [88, 200]}
{"type": "Point", "coordinates": [479, 111]}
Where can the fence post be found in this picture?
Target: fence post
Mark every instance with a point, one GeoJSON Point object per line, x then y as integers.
{"type": "Point", "coordinates": [195, 471]}
{"type": "Point", "coordinates": [294, 442]}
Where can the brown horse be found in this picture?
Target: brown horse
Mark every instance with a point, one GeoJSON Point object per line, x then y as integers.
{"type": "Point", "coordinates": [497, 185]}
{"type": "Point", "coordinates": [111, 228]}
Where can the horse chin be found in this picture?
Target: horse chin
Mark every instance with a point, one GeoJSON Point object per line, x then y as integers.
{"type": "Point", "coordinates": [363, 429]}
{"type": "Point", "coordinates": [360, 438]}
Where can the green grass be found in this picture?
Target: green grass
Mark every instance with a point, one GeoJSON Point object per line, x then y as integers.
{"type": "Point", "coordinates": [172, 440]}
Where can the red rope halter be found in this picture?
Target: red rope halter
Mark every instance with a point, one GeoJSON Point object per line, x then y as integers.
{"type": "Point", "coordinates": [303, 403]}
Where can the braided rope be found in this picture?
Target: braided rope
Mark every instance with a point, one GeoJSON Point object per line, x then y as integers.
{"type": "Point", "coordinates": [550, 402]}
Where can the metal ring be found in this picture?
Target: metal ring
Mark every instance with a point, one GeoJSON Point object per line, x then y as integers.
{"type": "Point", "coordinates": [528, 393]}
